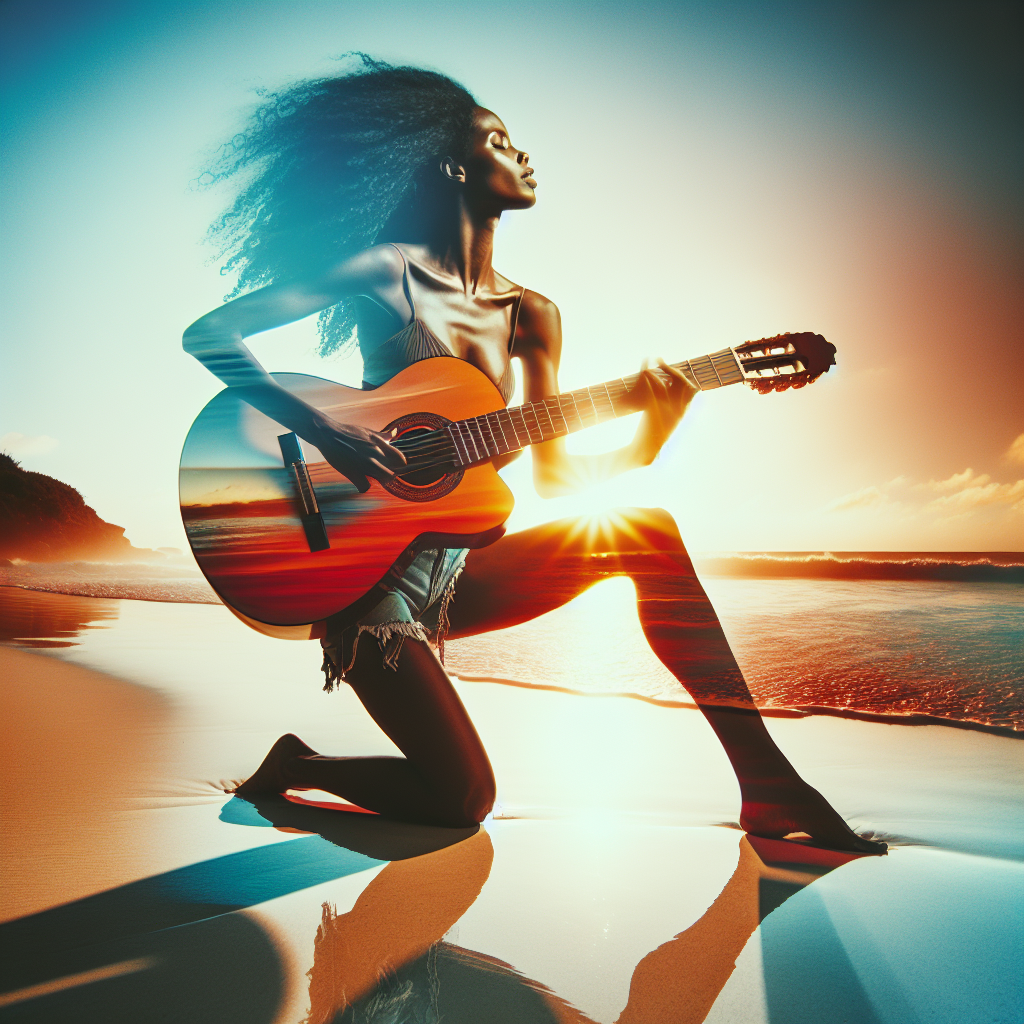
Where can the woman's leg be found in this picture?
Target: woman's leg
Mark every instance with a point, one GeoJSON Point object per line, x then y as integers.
{"type": "Point", "coordinates": [526, 574]}
{"type": "Point", "coordinates": [445, 777]}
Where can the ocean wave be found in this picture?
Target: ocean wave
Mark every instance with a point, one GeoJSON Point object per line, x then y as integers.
{"type": "Point", "coordinates": [935, 567]}
{"type": "Point", "coordinates": [131, 581]}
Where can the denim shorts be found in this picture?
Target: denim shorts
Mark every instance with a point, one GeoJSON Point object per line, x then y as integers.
{"type": "Point", "coordinates": [417, 607]}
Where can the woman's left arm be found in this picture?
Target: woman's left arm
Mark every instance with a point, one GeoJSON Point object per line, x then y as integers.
{"type": "Point", "coordinates": [538, 344]}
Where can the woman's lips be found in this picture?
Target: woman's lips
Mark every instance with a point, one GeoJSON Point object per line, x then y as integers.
{"type": "Point", "coordinates": [529, 179]}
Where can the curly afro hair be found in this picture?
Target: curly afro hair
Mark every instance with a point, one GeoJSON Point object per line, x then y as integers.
{"type": "Point", "coordinates": [331, 164]}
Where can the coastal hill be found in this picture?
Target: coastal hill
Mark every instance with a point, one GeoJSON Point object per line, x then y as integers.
{"type": "Point", "coordinates": [45, 520]}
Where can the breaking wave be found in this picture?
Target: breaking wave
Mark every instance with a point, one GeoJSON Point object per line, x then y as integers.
{"type": "Point", "coordinates": [934, 567]}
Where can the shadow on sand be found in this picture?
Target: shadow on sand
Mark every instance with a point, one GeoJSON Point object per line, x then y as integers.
{"type": "Point", "coordinates": [173, 948]}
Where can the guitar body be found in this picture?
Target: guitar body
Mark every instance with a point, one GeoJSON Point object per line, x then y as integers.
{"type": "Point", "coordinates": [243, 515]}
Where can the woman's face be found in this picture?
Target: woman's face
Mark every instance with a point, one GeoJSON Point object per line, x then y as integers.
{"type": "Point", "coordinates": [498, 174]}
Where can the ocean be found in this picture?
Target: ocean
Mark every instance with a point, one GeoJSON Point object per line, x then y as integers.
{"type": "Point", "coordinates": [882, 633]}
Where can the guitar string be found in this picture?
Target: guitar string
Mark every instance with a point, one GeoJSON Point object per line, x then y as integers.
{"type": "Point", "coordinates": [434, 443]}
{"type": "Point", "coordinates": [438, 447]}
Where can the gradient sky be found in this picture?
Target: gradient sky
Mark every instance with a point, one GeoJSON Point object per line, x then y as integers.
{"type": "Point", "coordinates": [708, 173]}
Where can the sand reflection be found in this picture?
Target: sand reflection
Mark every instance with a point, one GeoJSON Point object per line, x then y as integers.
{"type": "Point", "coordinates": [31, 618]}
{"type": "Point", "coordinates": [388, 958]}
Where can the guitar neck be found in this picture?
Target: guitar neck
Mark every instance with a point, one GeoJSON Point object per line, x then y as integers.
{"type": "Point", "coordinates": [510, 430]}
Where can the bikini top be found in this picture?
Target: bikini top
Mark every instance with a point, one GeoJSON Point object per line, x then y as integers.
{"type": "Point", "coordinates": [417, 341]}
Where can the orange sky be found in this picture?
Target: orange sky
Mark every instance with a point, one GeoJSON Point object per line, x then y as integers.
{"type": "Point", "coordinates": [705, 178]}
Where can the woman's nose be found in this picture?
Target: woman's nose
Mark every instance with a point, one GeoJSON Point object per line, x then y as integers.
{"type": "Point", "coordinates": [524, 158]}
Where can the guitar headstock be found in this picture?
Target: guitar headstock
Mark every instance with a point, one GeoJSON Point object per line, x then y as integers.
{"type": "Point", "coordinates": [785, 361]}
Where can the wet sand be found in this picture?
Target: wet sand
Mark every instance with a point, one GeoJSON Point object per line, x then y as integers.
{"type": "Point", "coordinates": [608, 886]}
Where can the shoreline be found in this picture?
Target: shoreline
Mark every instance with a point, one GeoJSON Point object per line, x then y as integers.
{"type": "Point", "coordinates": [776, 710]}
{"type": "Point", "coordinates": [768, 711]}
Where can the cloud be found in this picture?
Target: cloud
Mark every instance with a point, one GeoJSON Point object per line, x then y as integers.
{"type": "Point", "coordinates": [957, 495]}
{"type": "Point", "coordinates": [987, 493]}
{"type": "Point", "coordinates": [1015, 453]}
{"type": "Point", "coordinates": [18, 444]}
{"type": "Point", "coordinates": [957, 482]}
{"type": "Point", "coordinates": [863, 498]}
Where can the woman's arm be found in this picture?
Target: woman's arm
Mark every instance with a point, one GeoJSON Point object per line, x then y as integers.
{"type": "Point", "coordinates": [556, 472]}
{"type": "Point", "coordinates": [217, 341]}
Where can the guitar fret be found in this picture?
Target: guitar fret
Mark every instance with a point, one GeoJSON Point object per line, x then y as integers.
{"type": "Point", "coordinates": [491, 446]}
{"type": "Point", "coordinates": [478, 437]}
{"type": "Point", "coordinates": [576, 408]}
{"type": "Point", "coordinates": [565, 422]}
{"type": "Point", "coordinates": [732, 370]}
{"type": "Point", "coordinates": [533, 409]}
{"type": "Point", "coordinates": [704, 377]}
{"type": "Point", "coordinates": [501, 430]}
{"type": "Point", "coordinates": [460, 449]}
{"type": "Point", "coordinates": [610, 402]}
{"type": "Point", "coordinates": [524, 430]}
{"type": "Point", "coordinates": [551, 422]}
{"type": "Point", "coordinates": [507, 430]}
{"type": "Point", "coordinates": [468, 435]}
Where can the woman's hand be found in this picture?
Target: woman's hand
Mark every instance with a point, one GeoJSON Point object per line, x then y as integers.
{"type": "Point", "coordinates": [356, 452]}
{"type": "Point", "coordinates": [664, 397]}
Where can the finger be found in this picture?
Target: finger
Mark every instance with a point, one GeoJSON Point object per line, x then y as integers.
{"type": "Point", "coordinates": [675, 373]}
{"type": "Point", "coordinates": [388, 451]}
{"type": "Point", "coordinates": [384, 470]}
{"type": "Point", "coordinates": [658, 386]}
{"type": "Point", "coordinates": [689, 387]}
{"type": "Point", "coordinates": [362, 484]}
{"type": "Point", "coordinates": [389, 456]}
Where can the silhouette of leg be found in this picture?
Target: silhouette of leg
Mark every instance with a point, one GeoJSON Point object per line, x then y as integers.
{"type": "Point", "coordinates": [529, 573]}
{"type": "Point", "coordinates": [445, 777]}
{"type": "Point", "coordinates": [405, 910]}
{"type": "Point", "coordinates": [678, 982]}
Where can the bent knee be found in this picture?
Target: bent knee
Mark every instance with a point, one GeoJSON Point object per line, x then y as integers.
{"type": "Point", "coordinates": [472, 802]}
{"type": "Point", "coordinates": [653, 528]}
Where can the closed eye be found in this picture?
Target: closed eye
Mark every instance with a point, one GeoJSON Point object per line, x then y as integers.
{"type": "Point", "coordinates": [499, 140]}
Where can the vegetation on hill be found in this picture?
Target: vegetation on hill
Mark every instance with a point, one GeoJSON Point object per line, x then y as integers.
{"type": "Point", "coordinates": [45, 520]}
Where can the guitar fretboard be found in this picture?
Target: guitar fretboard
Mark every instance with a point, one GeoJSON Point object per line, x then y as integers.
{"type": "Point", "coordinates": [509, 430]}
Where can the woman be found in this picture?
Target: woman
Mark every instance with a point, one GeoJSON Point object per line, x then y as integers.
{"type": "Point", "coordinates": [373, 199]}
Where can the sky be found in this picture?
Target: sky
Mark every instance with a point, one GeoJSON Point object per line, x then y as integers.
{"type": "Point", "coordinates": [708, 174]}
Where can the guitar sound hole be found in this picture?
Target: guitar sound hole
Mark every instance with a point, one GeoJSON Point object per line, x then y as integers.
{"type": "Point", "coordinates": [423, 477]}
{"type": "Point", "coordinates": [436, 478]}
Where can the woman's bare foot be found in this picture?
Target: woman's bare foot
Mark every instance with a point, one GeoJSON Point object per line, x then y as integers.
{"type": "Point", "coordinates": [271, 777]}
{"type": "Point", "coordinates": [778, 808]}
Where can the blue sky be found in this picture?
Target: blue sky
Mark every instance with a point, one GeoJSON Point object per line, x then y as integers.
{"type": "Point", "coordinates": [708, 174]}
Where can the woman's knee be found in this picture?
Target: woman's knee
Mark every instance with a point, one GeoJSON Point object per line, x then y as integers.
{"type": "Point", "coordinates": [647, 529]}
{"type": "Point", "coordinates": [470, 799]}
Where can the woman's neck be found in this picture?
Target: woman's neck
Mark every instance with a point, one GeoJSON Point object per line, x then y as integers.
{"type": "Point", "coordinates": [465, 248]}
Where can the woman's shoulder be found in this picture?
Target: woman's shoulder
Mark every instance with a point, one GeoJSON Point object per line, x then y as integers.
{"type": "Point", "coordinates": [539, 326]}
{"type": "Point", "coordinates": [538, 312]}
{"type": "Point", "coordinates": [381, 265]}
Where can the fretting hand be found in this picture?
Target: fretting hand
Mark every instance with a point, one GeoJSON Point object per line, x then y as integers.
{"type": "Point", "coordinates": [664, 397]}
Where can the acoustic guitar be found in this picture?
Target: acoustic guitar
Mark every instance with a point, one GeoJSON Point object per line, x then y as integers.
{"type": "Point", "coordinates": [287, 541]}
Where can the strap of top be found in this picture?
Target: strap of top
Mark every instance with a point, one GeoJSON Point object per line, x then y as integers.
{"type": "Point", "coordinates": [412, 305]}
{"type": "Point", "coordinates": [405, 279]}
{"type": "Point", "coordinates": [515, 320]}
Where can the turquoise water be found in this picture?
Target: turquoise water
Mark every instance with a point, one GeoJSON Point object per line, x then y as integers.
{"type": "Point", "coordinates": [954, 650]}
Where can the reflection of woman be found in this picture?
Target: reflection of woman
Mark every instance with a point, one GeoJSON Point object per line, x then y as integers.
{"type": "Point", "coordinates": [388, 957]}
{"type": "Point", "coordinates": [373, 198]}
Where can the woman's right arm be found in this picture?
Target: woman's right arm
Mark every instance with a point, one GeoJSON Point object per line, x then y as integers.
{"type": "Point", "coordinates": [217, 340]}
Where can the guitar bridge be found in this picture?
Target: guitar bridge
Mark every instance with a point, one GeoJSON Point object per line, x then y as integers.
{"type": "Point", "coordinates": [312, 520]}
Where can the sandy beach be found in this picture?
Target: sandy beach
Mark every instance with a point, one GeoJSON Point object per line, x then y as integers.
{"type": "Point", "coordinates": [611, 883]}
